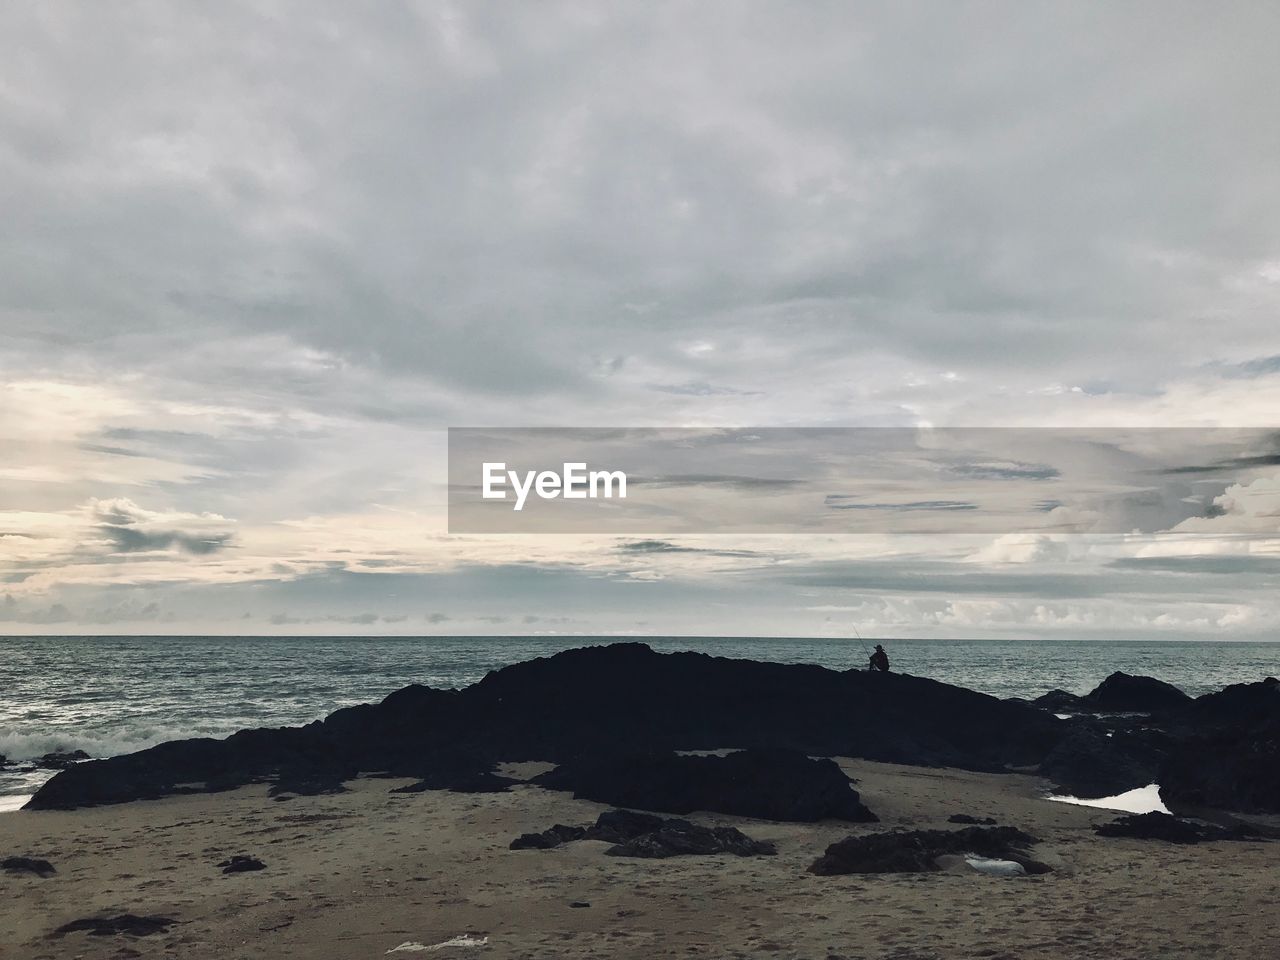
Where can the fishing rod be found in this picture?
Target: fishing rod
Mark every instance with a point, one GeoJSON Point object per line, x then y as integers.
{"type": "Point", "coordinates": [865, 649]}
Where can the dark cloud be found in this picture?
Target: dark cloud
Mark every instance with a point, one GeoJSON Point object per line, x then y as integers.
{"type": "Point", "coordinates": [1234, 464]}
{"type": "Point", "coordinates": [714, 480]}
{"type": "Point", "coordinates": [843, 501]}
{"type": "Point", "coordinates": [1230, 565]}
{"type": "Point", "coordinates": [654, 546]}
{"type": "Point", "coordinates": [651, 547]}
{"type": "Point", "coordinates": [1249, 369]}
{"type": "Point", "coordinates": [941, 579]}
{"type": "Point", "coordinates": [702, 389]}
{"type": "Point", "coordinates": [132, 540]}
{"type": "Point", "coordinates": [1006, 471]}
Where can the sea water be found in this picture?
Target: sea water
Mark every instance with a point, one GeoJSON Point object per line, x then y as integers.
{"type": "Point", "coordinates": [110, 695]}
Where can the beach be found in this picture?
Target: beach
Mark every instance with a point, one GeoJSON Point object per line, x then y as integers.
{"type": "Point", "coordinates": [361, 873]}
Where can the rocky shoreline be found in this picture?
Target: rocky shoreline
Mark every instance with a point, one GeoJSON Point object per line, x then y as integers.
{"type": "Point", "coordinates": [598, 711]}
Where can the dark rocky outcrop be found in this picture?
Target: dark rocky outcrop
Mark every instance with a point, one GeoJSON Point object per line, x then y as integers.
{"type": "Point", "coordinates": [1228, 751]}
{"type": "Point", "coordinates": [1059, 701]}
{"type": "Point", "coordinates": [60, 761]}
{"type": "Point", "coordinates": [467, 781]}
{"type": "Point", "coordinates": [1162, 826]}
{"type": "Point", "coordinates": [644, 835]}
{"type": "Point", "coordinates": [592, 702]}
{"type": "Point", "coordinates": [124, 923]}
{"type": "Point", "coordinates": [916, 851]}
{"type": "Point", "coordinates": [971, 820]}
{"type": "Point", "coordinates": [1099, 760]}
{"type": "Point", "coordinates": [1119, 693]}
{"type": "Point", "coordinates": [1125, 693]}
{"type": "Point", "coordinates": [677, 838]}
{"type": "Point", "coordinates": [618, 826]}
{"type": "Point", "coordinates": [41, 868]}
{"type": "Point", "coordinates": [551, 837]}
{"type": "Point", "coordinates": [242, 864]}
{"type": "Point", "coordinates": [1218, 751]}
{"type": "Point", "coordinates": [582, 707]}
{"type": "Point", "coordinates": [310, 783]}
{"type": "Point", "coordinates": [768, 784]}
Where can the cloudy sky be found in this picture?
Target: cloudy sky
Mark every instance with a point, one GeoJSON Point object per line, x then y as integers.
{"type": "Point", "coordinates": [255, 258]}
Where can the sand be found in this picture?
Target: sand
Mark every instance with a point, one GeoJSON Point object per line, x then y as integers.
{"type": "Point", "coordinates": [358, 874]}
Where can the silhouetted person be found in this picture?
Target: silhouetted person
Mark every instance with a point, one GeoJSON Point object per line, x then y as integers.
{"type": "Point", "coordinates": [880, 660]}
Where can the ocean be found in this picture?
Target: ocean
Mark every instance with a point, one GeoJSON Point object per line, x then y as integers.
{"type": "Point", "coordinates": [110, 695]}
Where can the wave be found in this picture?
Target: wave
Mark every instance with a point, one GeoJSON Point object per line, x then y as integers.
{"type": "Point", "coordinates": [29, 744]}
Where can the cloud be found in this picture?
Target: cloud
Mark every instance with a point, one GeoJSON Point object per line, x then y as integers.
{"type": "Point", "coordinates": [845, 501]}
{"type": "Point", "coordinates": [1251, 508]}
{"type": "Point", "coordinates": [654, 546]}
{"type": "Point", "coordinates": [1006, 470]}
{"type": "Point", "coordinates": [858, 191]}
{"type": "Point", "coordinates": [1220, 565]}
{"type": "Point", "coordinates": [649, 547]}
{"type": "Point", "coordinates": [1257, 367]}
{"type": "Point", "coordinates": [129, 528]}
{"type": "Point", "coordinates": [702, 389]}
{"type": "Point", "coordinates": [256, 280]}
{"type": "Point", "coordinates": [129, 540]}
{"type": "Point", "coordinates": [715, 480]}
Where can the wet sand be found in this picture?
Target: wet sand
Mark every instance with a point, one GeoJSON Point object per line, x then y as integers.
{"type": "Point", "coordinates": [358, 874]}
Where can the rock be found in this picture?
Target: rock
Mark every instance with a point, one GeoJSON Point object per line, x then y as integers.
{"type": "Point", "coordinates": [618, 826]}
{"type": "Point", "coordinates": [472, 781]}
{"type": "Point", "coordinates": [1119, 693]}
{"type": "Point", "coordinates": [644, 835]}
{"type": "Point", "coordinates": [616, 700]}
{"type": "Point", "coordinates": [309, 784]}
{"type": "Point", "coordinates": [547, 839]}
{"type": "Point", "coordinates": [1059, 701]}
{"type": "Point", "coordinates": [242, 864]}
{"type": "Point", "coordinates": [41, 868]}
{"type": "Point", "coordinates": [1162, 826]}
{"type": "Point", "coordinates": [110, 926]}
{"type": "Point", "coordinates": [914, 851]}
{"type": "Point", "coordinates": [1125, 693]}
{"type": "Point", "coordinates": [677, 838]}
{"type": "Point", "coordinates": [1228, 754]}
{"type": "Point", "coordinates": [60, 761]}
{"type": "Point", "coordinates": [973, 821]}
{"type": "Point", "coordinates": [1092, 761]}
{"type": "Point", "coordinates": [767, 784]}
{"type": "Point", "coordinates": [579, 904]}
{"type": "Point", "coordinates": [1239, 705]}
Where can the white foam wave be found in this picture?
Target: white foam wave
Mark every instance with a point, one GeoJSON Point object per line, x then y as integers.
{"type": "Point", "coordinates": [27, 745]}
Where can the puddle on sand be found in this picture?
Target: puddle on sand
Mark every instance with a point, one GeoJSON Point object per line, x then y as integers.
{"type": "Point", "coordinates": [1141, 800]}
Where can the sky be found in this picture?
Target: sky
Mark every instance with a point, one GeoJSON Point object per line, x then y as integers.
{"type": "Point", "coordinates": [256, 258]}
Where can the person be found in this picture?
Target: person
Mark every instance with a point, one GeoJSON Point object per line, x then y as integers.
{"type": "Point", "coordinates": [879, 660]}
